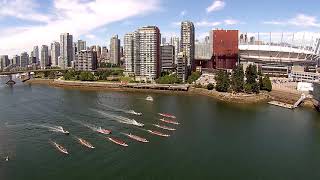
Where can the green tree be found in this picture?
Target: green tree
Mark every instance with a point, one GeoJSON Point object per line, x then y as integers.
{"type": "Point", "coordinates": [210, 86]}
{"type": "Point", "coordinates": [251, 74]}
{"type": "Point", "coordinates": [259, 71]}
{"type": "Point", "coordinates": [266, 84]}
{"type": "Point", "coordinates": [70, 75]}
{"type": "Point", "coordinates": [260, 82]}
{"type": "Point", "coordinates": [164, 73]}
{"type": "Point", "coordinates": [237, 79]}
{"type": "Point", "coordinates": [251, 83]}
{"type": "Point", "coordinates": [248, 88]}
{"type": "Point", "coordinates": [86, 76]}
{"type": "Point", "coordinates": [52, 75]}
{"type": "Point", "coordinates": [168, 79]}
{"type": "Point", "coordinates": [256, 88]}
{"type": "Point", "coordinates": [222, 81]}
{"type": "Point", "coordinates": [193, 77]}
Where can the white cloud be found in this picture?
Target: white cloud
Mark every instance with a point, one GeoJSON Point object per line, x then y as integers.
{"type": "Point", "coordinates": [216, 6]}
{"type": "Point", "coordinates": [183, 13]}
{"type": "Point", "coordinates": [176, 23]}
{"type": "Point", "coordinates": [77, 17]}
{"type": "Point", "coordinates": [304, 20]}
{"type": "Point", "coordinates": [202, 35]}
{"type": "Point", "coordinates": [90, 36]}
{"type": "Point", "coordinates": [207, 24]}
{"type": "Point", "coordinates": [274, 22]}
{"type": "Point", "coordinates": [300, 20]}
{"type": "Point", "coordinates": [231, 22]}
{"type": "Point", "coordinates": [225, 22]}
{"type": "Point", "coordinates": [21, 9]}
{"type": "Point", "coordinates": [169, 34]}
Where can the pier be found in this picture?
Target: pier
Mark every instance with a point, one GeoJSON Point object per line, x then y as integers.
{"type": "Point", "coordinates": [169, 87]}
{"type": "Point", "coordinates": [281, 104]}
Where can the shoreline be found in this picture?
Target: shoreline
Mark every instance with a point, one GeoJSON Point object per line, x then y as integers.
{"type": "Point", "coordinates": [240, 98]}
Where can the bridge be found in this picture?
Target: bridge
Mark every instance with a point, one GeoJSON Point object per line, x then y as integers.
{"type": "Point", "coordinates": [304, 98]}
{"type": "Point", "coordinates": [29, 71]}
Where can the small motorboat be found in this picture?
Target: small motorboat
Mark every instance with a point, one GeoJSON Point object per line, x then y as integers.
{"type": "Point", "coordinates": [103, 131]}
{"type": "Point", "coordinates": [149, 98]}
{"type": "Point", "coordinates": [138, 124]}
{"type": "Point", "coordinates": [7, 158]}
{"type": "Point", "coordinates": [118, 141]}
{"type": "Point", "coordinates": [63, 130]}
{"type": "Point", "coordinates": [135, 113]}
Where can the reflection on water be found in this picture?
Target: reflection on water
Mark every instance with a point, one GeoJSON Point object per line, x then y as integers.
{"type": "Point", "coordinates": [213, 141]}
{"type": "Point", "coordinates": [316, 91]}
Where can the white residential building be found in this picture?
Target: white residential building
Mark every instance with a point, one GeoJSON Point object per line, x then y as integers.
{"type": "Point", "coordinates": [55, 53]}
{"type": "Point", "coordinates": [66, 50]}
{"type": "Point", "coordinates": [187, 42]}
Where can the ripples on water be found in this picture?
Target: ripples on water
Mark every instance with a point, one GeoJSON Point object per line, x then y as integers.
{"type": "Point", "coordinates": [214, 141]}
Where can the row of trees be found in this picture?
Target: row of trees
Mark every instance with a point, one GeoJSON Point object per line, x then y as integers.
{"type": "Point", "coordinates": [88, 76]}
{"type": "Point", "coordinates": [167, 78]}
{"type": "Point", "coordinates": [250, 81]}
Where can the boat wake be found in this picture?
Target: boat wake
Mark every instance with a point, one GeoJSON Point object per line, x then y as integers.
{"type": "Point", "coordinates": [121, 110]}
{"type": "Point", "coordinates": [94, 128]}
{"type": "Point", "coordinates": [58, 129]}
{"type": "Point", "coordinates": [120, 119]}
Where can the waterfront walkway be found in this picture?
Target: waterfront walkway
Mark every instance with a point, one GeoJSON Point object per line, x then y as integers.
{"type": "Point", "coordinates": [170, 87]}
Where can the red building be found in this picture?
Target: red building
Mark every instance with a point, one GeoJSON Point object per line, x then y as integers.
{"type": "Point", "coordinates": [225, 48]}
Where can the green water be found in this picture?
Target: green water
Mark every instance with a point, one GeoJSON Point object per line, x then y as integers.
{"type": "Point", "coordinates": [214, 140]}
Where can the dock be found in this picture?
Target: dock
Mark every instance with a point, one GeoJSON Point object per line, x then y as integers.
{"type": "Point", "coordinates": [281, 104]}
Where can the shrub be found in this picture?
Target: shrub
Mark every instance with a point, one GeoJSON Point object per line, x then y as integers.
{"type": "Point", "coordinates": [86, 76]}
{"type": "Point", "coordinates": [193, 77]}
{"type": "Point", "coordinates": [52, 75]}
{"type": "Point", "coordinates": [168, 79]}
{"type": "Point", "coordinates": [198, 86]}
{"type": "Point", "coordinates": [210, 86]}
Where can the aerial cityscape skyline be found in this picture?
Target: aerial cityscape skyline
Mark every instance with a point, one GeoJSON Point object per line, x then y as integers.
{"type": "Point", "coordinates": [159, 89]}
{"type": "Point", "coordinates": [43, 25]}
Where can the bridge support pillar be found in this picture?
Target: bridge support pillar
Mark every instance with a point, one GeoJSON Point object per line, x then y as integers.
{"type": "Point", "coordinates": [10, 82]}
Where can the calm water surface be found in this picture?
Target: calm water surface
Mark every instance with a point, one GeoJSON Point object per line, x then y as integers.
{"type": "Point", "coordinates": [214, 140]}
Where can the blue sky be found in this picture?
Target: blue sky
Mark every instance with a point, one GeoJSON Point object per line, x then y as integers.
{"type": "Point", "coordinates": [25, 23]}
